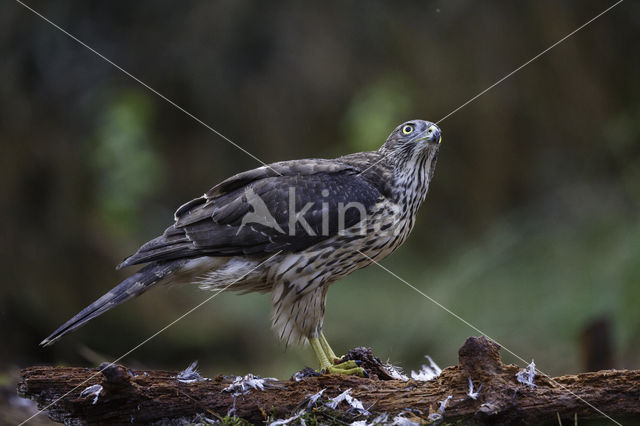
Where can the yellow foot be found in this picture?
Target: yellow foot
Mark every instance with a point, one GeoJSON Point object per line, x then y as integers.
{"type": "Point", "coordinates": [328, 360]}
{"type": "Point", "coordinates": [348, 367]}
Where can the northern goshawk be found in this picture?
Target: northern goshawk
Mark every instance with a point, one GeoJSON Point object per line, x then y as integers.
{"type": "Point", "coordinates": [291, 228]}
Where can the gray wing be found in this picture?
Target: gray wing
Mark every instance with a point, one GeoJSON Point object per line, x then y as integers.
{"type": "Point", "coordinates": [230, 219]}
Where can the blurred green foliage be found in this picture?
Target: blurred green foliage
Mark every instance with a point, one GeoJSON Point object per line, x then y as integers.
{"type": "Point", "coordinates": [128, 168]}
{"type": "Point", "coordinates": [530, 230]}
{"type": "Point", "coordinates": [374, 110]}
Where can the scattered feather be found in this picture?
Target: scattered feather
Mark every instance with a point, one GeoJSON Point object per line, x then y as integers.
{"type": "Point", "coordinates": [353, 402]}
{"type": "Point", "coordinates": [315, 397]}
{"type": "Point", "coordinates": [304, 373]}
{"type": "Point", "coordinates": [395, 372]}
{"type": "Point", "coordinates": [427, 372]}
{"type": "Point", "coordinates": [443, 404]}
{"type": "Point", "coordinates": [434, 418]}
{"type": "Point", "coordinates": [289, 420]}
{"type": "Point", "coordinates": [381, 419]}
{"type": "Point", "coordinates": [242, 385]}
{"type": "Point", "coordinates": [200, 419]}
{"type": "Point", "coordinates": [473, 395]}
{"type": "Point", "coordinates": [526, 375]}
{"type": "Point", "coordinates": [433, 365]}
{"type": "Point", "coordinates": [231, 412]}
{"type": "Point", "coordinates": [22, 403]}
{"type": "Point", "coordinates": [190, 374]}
{"type": "Point", "coordinates": [92, 390]}
{"type": "Point", "coordinates": [333, 402]}
{"type": "Point", "coordinates": [403, 421]}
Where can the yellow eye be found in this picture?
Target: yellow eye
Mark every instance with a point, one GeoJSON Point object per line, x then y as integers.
{"type": "Point", "coordinates": [407, 129]}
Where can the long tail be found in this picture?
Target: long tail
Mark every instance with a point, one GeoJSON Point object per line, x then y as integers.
{"type": "Point", "coordinates": [133, 286]}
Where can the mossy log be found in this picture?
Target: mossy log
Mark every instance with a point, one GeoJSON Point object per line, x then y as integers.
{"type": "Point", "coordinates": [145, 396]}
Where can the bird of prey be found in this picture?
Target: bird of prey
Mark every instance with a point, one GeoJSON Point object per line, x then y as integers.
{"type": "Point", "coordinates": [290, 228]}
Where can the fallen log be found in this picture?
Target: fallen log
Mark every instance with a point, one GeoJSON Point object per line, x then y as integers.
{"type": "Point", "coordinates": [508, 394]}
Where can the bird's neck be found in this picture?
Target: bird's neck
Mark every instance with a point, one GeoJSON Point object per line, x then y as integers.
{"type": "Point", "coordinates": [411, 181]}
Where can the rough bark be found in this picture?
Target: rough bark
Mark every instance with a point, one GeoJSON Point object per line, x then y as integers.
{"type": "Point", "coordinates": [158, 396]}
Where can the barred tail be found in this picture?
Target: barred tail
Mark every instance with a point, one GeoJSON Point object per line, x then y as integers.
{"type": "Point", "coordinates": [133, 286]}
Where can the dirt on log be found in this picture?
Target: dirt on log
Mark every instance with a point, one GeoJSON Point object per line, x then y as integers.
{"type": "Point", "coordinates": [121, 395]}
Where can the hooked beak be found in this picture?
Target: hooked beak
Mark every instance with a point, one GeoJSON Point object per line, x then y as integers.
{"type": "Point", "coordinates": [436, 136]}
{"type": "Point", "coordinates": [432, 135]}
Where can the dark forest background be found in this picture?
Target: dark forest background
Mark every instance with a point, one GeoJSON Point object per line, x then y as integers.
{"type": "Point", "coordinates": [530, 231]}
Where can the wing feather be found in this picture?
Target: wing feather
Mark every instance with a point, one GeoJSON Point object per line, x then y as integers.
{"type": "Point", "coordinates": [212, 225]}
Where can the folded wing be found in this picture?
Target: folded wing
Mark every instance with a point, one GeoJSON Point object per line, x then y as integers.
{"type": "Point", "coordinates": [254, 213]}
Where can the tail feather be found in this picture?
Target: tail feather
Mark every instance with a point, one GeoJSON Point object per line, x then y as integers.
{"type": "Point", "coordinates": [173, 244]}
{"type": "Point", "coordinates": [131, 287]}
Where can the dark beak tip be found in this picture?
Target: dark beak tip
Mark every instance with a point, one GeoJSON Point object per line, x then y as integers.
{"type": "Point", "coordinates": [436, 138]}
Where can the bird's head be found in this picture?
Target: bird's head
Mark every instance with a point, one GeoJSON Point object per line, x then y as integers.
{"type": "Point", "coordinates": [412, 141]}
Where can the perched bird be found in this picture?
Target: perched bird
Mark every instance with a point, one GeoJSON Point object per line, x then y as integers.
{"type": "Point", "coordinates": [290, 228]}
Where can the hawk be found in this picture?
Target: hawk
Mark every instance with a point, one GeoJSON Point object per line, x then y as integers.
{"type": "Point", "coordinates": [291, 229]}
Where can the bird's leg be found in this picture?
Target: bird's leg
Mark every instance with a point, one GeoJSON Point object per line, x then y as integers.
{"type": "Point", "coordinates": [333, 358]}
{"type": "Point", "coordinates": [347, 367]}
{"type": "Point", "coordinates": [327, 349]}
{"type": "Point", "coordinates": [319, 351]}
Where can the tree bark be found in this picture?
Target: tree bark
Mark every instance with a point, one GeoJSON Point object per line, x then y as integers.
{"type": "Point", "coordinates": [128, 396]}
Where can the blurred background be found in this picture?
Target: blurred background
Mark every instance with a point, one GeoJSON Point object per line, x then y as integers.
{"type": "Point", "coordinates": [530, 231]}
